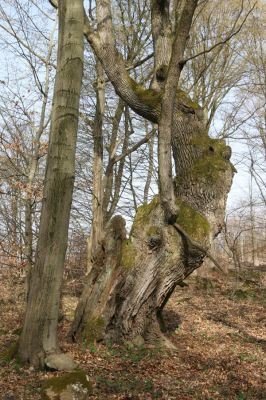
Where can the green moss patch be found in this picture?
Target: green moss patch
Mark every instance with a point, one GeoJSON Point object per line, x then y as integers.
{"type": "Point", "coordinates": [186, 100]}
{"type": "Point", "coordinates": [195, 224]}
{"type": "Point", "coordinates": [128, 386]}
{"type": "Point", "coordinates": [58, 384]}
{"type": "Point", "coordinates": [142, 217]}
{"type": "Point", "coordinates": [154, 231]}
{"type": "Point", "coordinates": [214, 159]}
{"type": "Point", "coordinates": [128, 254]}
{"type": "Point", "coordinates": [248, 293]}
{"type": "Point", "coordinates": [94, 330]}
{"type": "Point", "coordinates": [147, 96]}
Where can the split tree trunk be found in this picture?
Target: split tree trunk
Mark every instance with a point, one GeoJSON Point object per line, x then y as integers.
{"type": "Point", "coordinates": [39, 336]}
{"type": "Point", "coordinates": [132, 279]}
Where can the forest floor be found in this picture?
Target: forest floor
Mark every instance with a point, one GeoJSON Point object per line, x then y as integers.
{"type": "Point", "coordinates": [217, 324]}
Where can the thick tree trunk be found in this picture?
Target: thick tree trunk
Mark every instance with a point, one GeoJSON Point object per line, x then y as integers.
{"type": "Point", "coordinates": [33, 167]}
{"type": "Point", "coordinates": [39, 337]}
{"type": "Point", "coordinates": [132, 279]}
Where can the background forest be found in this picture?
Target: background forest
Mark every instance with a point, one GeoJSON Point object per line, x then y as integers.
{"type": "Point", "coordinates": [228, 82]}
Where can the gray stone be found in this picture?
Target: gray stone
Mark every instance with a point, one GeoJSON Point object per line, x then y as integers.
{"type": "Point", "coordinates": [138, 341]}
{"type": "Point", "coordinates": [60, 362]}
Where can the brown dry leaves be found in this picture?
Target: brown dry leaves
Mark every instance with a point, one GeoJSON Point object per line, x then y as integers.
{"type": "Point", "coordinates": [220, 354]}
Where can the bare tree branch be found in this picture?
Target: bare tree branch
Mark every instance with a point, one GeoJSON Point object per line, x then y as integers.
{"type": "Point", "coordinates": [222, 42]}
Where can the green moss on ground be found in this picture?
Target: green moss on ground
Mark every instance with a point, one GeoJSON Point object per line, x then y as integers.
{"type": "Point", "coordinates": [59, 383]}
{"type": "Point", "coordinates": [195, 224]}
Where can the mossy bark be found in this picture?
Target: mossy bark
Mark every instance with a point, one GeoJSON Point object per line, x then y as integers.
{"type": "Point", "coordinates": [134, 277]}
{"type": "Point", "coordinates": [130, 289]}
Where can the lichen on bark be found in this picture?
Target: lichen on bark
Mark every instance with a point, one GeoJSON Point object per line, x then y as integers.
{"type": "Point", "coordinates": [142, 216]}
{"type": "Point", "coordinates": [214, 158]}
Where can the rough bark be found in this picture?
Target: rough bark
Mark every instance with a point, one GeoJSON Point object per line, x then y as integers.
{"type": "Point", "coordinates": [39, 337]}
{"type": "Point", "coordinates": [162, 34]}
{"type": "Point", "coordinates": [168, 110]}
{"type": "Point", "coordinates": [33, 167]}
{"type": "Point", "coordinates": [133, 278]}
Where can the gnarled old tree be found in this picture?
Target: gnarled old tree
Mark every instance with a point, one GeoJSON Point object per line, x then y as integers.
{"type": "Point", "coordinates": [132, 278]}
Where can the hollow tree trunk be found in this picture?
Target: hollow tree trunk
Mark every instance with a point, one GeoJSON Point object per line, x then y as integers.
{"type": "Point", "coordinates": [39, 337]}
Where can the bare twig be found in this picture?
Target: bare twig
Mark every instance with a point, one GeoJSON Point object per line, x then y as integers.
{"type": "Point", "coordinates": [232, 34]}
{"type": "Point", "coordinates": [135, 147]}
{"type": "Point", "coordinates": [198, 246]}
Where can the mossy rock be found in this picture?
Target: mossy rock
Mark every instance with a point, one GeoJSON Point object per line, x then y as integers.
{"type": "Point", "coordinates": [72, 385]}
{"type": "Point", "coordinates": [195, 224]}
{"type": "Point", "coordinates": [94, 330]}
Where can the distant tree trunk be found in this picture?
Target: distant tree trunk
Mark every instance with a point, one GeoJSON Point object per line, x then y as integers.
{"type": "Point", "coordinates": [98, 184]}
{"type": "Point", "coordinates": [39, 337]}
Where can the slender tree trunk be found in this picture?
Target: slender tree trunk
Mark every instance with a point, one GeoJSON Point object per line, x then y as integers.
{"type": "Point", "coordinates": [98, 184]}
{"type": "Point", "coordinates": [109, 173]}
{"type": "Point", "coordinates": [33, 167]}
{"type": "Point", "coordinates": [39, 337]}
{"type": "Point", "coordinates": [150, 168]}
{"type": "Point", "coordinates": [167, 111]}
